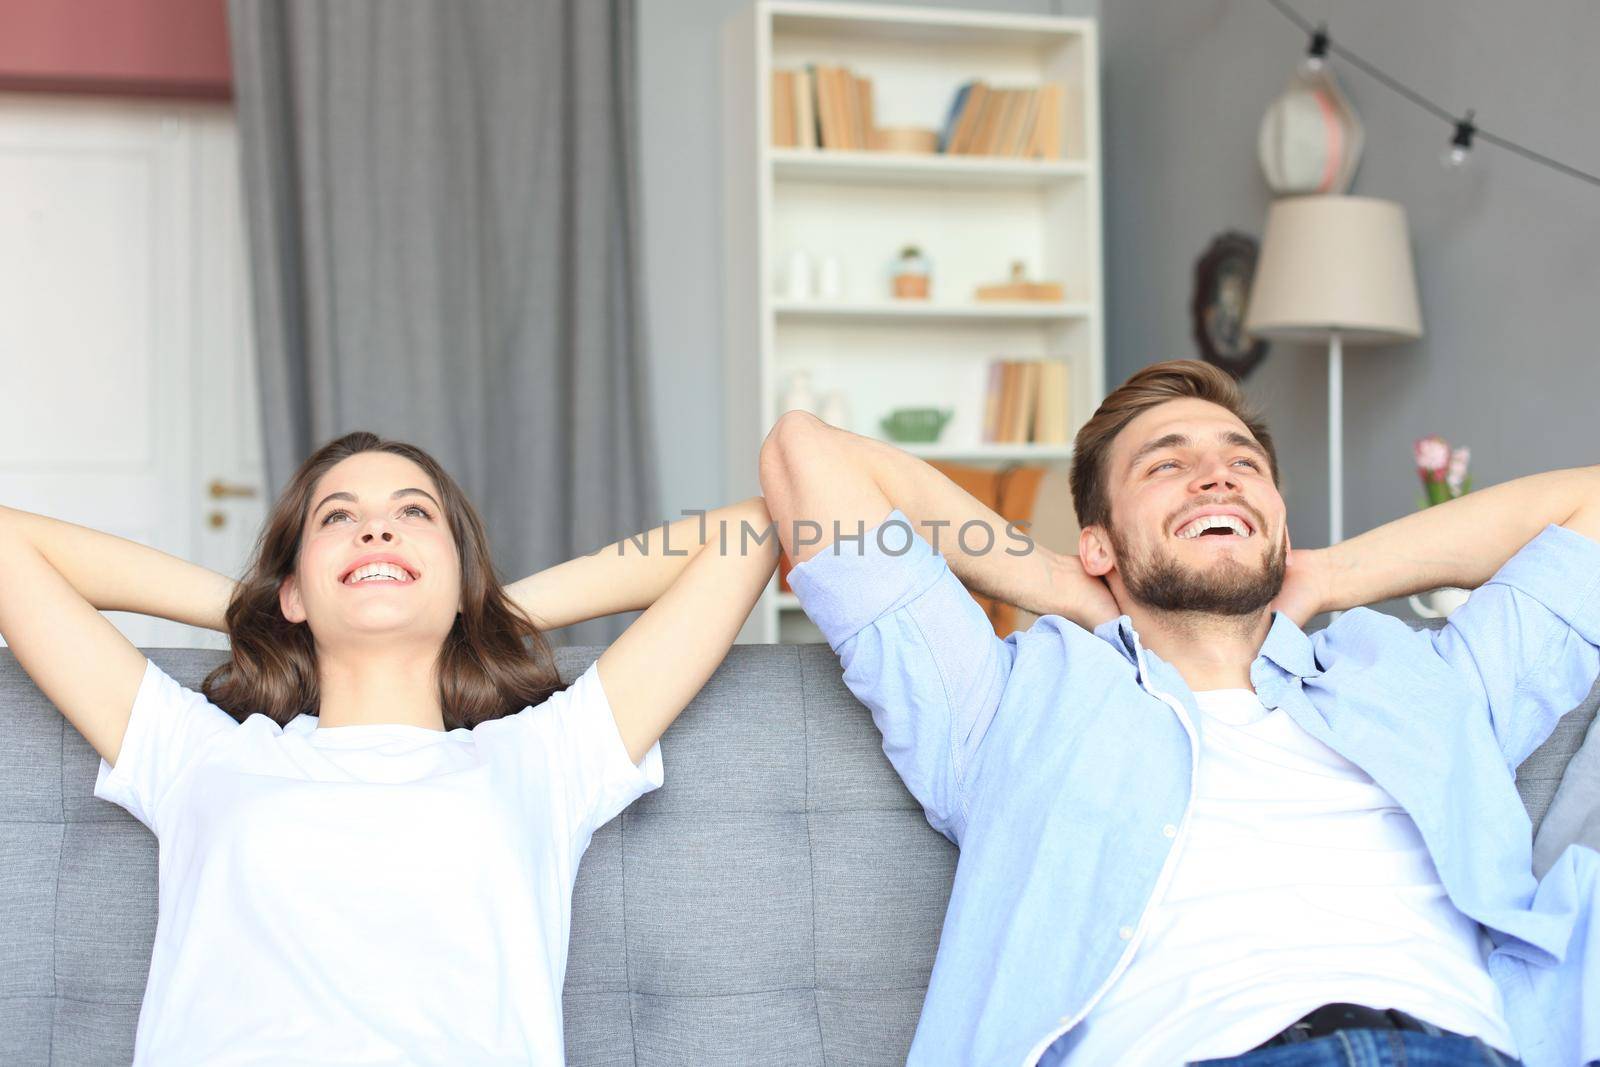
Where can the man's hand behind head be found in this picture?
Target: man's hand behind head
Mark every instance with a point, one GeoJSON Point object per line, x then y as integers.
{"type": "Point", "coordinates": [1074, 593]}
{"type": "Point", "coordinates": [1305, 585]}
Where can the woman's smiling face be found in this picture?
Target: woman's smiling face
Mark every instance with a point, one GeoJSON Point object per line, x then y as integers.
{"type": "Point", "coordinates": [377, 556]}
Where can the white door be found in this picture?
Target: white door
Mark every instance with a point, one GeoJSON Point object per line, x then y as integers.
{"type": "Point", "coordinates": [127, 379]}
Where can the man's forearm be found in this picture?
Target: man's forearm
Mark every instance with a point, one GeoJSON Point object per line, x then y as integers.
{"type": "Point", "coordinates": [1458, 543]}
{"type": "Point", "coordinates": [991, 556]}
{"type": "Point", "coordinates": [632, 573]}
{"type": "Point", "coordinates": [116, 574]}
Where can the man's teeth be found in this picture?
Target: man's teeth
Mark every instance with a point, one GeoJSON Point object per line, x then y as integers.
{"type": "Point", "coordinates": [1213, 522]}
{"type": "Point", "coordinates": [378, 572]}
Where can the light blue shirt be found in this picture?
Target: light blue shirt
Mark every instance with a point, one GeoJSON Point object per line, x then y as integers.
{"type": "Point", "coordinates": [1060, 760]}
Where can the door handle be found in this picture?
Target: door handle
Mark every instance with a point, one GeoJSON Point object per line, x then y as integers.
{"type": "Point", "coordinates": [220, 489]}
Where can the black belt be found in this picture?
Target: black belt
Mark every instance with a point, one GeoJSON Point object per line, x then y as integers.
{"type": "Point", "coordinates": [1333, 1017]}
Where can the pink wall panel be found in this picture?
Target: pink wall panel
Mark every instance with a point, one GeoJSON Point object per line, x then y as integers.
{"type": "Point", "coordinates": [138, 47]}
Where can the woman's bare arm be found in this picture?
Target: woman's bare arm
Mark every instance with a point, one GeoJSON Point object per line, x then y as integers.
{"type": "Point", "coordinates": [694, 605]}
{"type": "Point", "coordinates": [54, 576]}
{"type": "Point", "coordinates": [665, 657]}
{"type": "Point", "coordinates": [626, 575]}
{"type": "Point", "coordinates": [115, 574]}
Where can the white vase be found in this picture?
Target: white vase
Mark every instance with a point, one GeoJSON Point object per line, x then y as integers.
{"type": "Point", "coordinates": [797, 394]}
{"type": "Point", "coordinates": [830, 278]}
{"type": "Point", "coordinates": [835, 410]}
{"type": "Point", "coordinates": [797, 276]}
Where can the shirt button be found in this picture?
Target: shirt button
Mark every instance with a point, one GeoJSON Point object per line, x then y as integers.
{"type": "Point", "coordinates": [1126, 933]}
{"type": "Point", "coordinates": [1170, 830]}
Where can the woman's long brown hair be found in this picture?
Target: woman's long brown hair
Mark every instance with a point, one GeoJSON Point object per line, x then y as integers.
{"type": "Point", "coordinates": [494, 661]}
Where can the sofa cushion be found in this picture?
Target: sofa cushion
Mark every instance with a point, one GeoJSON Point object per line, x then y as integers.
{"type": "Point", "coordinates": [779, 899]}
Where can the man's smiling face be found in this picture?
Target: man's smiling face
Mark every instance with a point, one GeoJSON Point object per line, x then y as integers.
{"type": "Point", "coordinates": [1197, 523]}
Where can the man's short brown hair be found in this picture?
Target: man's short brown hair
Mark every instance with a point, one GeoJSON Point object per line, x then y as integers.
{"type": "Point", "coordinates": [1176, 379]}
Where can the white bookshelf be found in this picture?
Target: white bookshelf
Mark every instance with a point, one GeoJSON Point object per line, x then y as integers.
{"type": "Point", "coordinates": [935, 171]}
{"type": "Point", "coordinates": [930, 310]}
{"type": "Point", "coordinates": [971, 215]}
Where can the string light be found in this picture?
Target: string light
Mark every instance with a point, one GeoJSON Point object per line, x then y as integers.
{"type": "Point", "coordinates": [1317, 53]}
{"type": "Point", "coordinates": [1465, 129]}
{"type": "Point", "coordinates": [1460, 151]}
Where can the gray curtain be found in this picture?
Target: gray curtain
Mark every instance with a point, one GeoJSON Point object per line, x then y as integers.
{"type": "Point", "coordinates": [443, 231]}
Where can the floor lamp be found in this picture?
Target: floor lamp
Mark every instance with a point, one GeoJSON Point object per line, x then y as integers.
{"type": "Point", "coordinates": [1335, 269]}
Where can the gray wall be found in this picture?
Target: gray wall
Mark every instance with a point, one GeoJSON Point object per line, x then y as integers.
{"type": "Point", "coordinates": [1506, 252]}
{"type": "Point", "coordinates": [680, 72]}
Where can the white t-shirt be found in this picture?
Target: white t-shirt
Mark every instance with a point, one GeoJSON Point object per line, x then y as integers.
{"type": "Point", "coordinates": [1301, 883]}
{"type": "Point", "coordinates": [371, 894]}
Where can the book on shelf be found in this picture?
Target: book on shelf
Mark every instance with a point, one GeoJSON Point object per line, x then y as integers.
{"type": "Point", "coordinates": [805, 109]}
{"type": "Point", "coordinates": [1027, 402]}
{"type": "Point", "coordinates": [861, 112]}
{"type": "Point", "coordinates": [1021, 428]}
{"type": "Point", "coordinates": [822, 106]}
{"type": "Point", "coordinates": [839, 101]}
{"type": "Point", "coordinates": [1025, 122]}
{"type": "Point", "coordinates": [1010, 131]}
{"type": "Point", "coordinates": [1008, 401]}
{"type": "Point", "coordinates": [987, 137]}
{"type": "Point", "coordinates": [1016, 134]}
{"type": "Point", "coordinates": [947, 131]}
{"type": "Point", "coordinates": [971, 100]}
{"type": "Point", "coordinates": [827, 120]}
{"type": "Point", "coordinates": [1044, 142]}
{"type": "Point", "coordinates": [991, 399]}
{"type": "Point", "coordinates": [784, 131]}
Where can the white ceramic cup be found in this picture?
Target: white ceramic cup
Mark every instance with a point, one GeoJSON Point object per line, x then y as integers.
{"type": "Point", "coordinates": [1439, 603]}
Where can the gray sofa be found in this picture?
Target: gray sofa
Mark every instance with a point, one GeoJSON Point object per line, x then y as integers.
{"type": "Point", "coordinates": [778, 901]}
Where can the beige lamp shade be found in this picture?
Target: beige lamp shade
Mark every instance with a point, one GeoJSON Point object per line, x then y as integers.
{"type": "Point", "coordinates": [1335, 265]}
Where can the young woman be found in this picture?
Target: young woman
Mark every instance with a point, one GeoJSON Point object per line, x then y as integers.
{"type": "Point", "coordinates": [370, 818]}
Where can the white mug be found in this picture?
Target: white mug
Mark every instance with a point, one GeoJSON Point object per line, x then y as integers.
{"type": "Point", "coordinates": [830, 278]}
{"type": "Point", "coordinates": [797, 276]}
{"type": "Point", "coordinates": [797, 394]}
{"type": "Point", "coordinates": [835, 410]}
{"type": "Point", "coordinates": [1439, 603]}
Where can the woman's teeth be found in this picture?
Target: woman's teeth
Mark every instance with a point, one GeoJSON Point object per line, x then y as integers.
{"type": "Point", "coordinates": [378, 572]}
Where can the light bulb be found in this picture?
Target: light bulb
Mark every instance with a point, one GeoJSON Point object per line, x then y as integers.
{"type": "Point", "coordinates": [1316, 56]}
{"type": "Point", "coordinates": [1459, 152]}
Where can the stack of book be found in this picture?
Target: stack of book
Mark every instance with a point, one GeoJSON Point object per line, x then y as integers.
{"type": "Point", "coordinates": [1027, 402]}
{"type": "Point", "coordinates": [986, 121]}
{"type": "Point", "coordinates": [820, 106]}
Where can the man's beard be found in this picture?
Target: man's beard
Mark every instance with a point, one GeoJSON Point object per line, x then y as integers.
{"type": "Point", "coordinates": [1159, 581]}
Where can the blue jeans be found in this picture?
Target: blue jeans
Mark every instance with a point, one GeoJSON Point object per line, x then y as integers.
{"type": "Point", "coordinates": [1373, 1048]}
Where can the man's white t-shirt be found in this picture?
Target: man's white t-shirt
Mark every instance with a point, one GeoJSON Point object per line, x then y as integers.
{"type": "Point", "coordinates": [1302, 882]}
{"type": "Point", "coordinates": [372, 894]}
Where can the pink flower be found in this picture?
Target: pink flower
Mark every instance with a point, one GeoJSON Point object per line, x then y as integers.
{"type": "Point", "coordinates": [1433, 455]}
{"type": "Point", "coordinates": [1456, 476]}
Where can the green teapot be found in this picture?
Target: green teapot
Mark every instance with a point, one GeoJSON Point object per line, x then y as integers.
{"type": "Point", "coordinates": [915, 425]}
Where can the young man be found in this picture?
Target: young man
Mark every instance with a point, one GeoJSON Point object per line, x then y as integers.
{"type": "Point", "coordinates": [1187, 829]}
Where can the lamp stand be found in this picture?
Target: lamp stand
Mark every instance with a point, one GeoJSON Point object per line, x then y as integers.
{"type": "Point", "coordinates": [1335, 439]}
